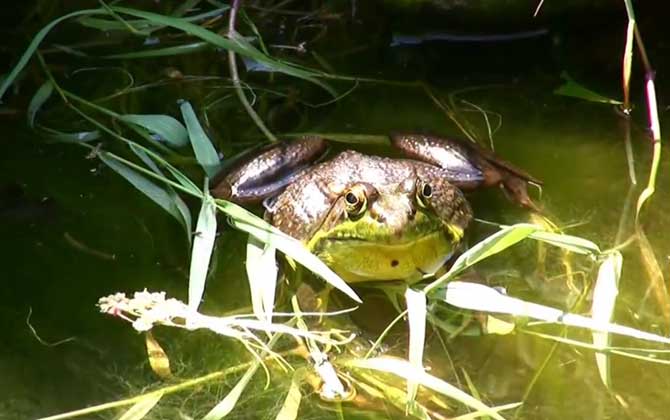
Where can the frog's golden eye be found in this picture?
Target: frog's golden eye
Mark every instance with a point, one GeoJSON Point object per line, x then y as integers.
{"type": "Point", "coordinates": [356, 201]}
{"type": "Point", "coordinates": [424, 192]}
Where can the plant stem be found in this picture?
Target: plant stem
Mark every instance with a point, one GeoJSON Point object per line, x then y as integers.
{"type": "Point", "coordinates": [232, 65]}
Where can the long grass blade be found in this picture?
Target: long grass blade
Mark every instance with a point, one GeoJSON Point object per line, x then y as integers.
{"type": "Point", "coordinates": [35, 43]}
{"type": "Point", "coordinates": [262, 273]}
{"type": "Point", "coordinates": [157, 194]}
{"type": "Point", "coordinates": [41, 96]}
{"type": "Point", "coordinates": [246, 221]}
{"type": "Point", "coordinates": [225, 406]}
{"type": "Point", "coordinates": [203, 245]}
{"type": "Point", "coordinates": [405, 370]}
{"type": "Point", "coordinates": [141, 408]}
{"type": "Point", "coordinates": [202, 145]}
{"type": "Point", "coordinates": [162, 52]}
{"type": "Point", "coordinates": [574, 89]}
{"type": "Point", "coordinates": [604, 298]}
{"type": "Point", "coordinates": [416, 314]}
{"type": "Point", "coordinates": [169, 129]}
{"type": "Point", "coordinates": [289, 410]}
{"type": "Point", "coordinates": [478, 297]}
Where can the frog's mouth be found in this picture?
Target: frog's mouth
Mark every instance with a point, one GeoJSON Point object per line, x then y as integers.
{"type": "Point", "coordinates": [358, 260]}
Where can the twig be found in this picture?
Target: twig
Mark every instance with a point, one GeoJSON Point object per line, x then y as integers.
{"type": "Point", "coordinates": [232, 65]}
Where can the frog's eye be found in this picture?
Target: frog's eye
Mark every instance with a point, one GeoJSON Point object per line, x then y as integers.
{"type": "Point", "coordinates": [356, 201]}
{"type": "Point", "coordinates": [424, 191]}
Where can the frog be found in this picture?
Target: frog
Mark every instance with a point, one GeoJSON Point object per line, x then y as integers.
{"type": "Point", "coordinates": [372, 218]}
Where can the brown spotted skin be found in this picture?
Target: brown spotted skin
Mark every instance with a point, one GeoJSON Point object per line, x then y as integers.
{"type": "Point", "coordinates": [315, 200]}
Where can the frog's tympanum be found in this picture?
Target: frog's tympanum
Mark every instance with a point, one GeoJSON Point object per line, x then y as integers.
{"type": "Point", "coordinates": [369, 217]}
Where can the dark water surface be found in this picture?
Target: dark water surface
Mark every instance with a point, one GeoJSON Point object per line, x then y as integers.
{"type": "Point", "coordinates": [74, 231]}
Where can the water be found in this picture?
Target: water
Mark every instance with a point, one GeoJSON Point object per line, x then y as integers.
{"type": "Point", "coordinates": [74, 231]}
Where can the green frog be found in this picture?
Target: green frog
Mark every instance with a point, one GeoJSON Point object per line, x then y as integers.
{"type": "Point", "coordinates": [372, 218]}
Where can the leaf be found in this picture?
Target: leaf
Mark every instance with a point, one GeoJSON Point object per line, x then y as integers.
{"type": "Point", "coordinates": [40, 97]}
{"type": "Point", "coordinates": [289, 410]}
{"type": "Point", "coordinates": [142, 407]}
{"type": "Point", "coordinates": [262, 273]}
{"type": "Point", "coordinates": [405, 370]}
{"type": "Point", "coordinates": [36, 41]}
{"type": "Point", "coordinates": [604, 298]}
{"type": "Point", "coordinates": [162, 52]}
{"type": "Point", "coordinates": [158, 359]}
{"type": "Point", "coordinates": [169, 129]}
{"type": "Point", "coordinates": [569, 242]}
{"type": "Point", "coordinates": [294, 249]}
{"type": "Point", "coordinates": [202, 146]}
{"type": "Point", "coordinates": [574, 89]}
{"type": "Point", "coordinates": [491, 245]}
{"type": "Point", "coordinates": [225, 406]}
{"type": "Point", "coordinates": [416, 313]}
{"type": "Point", "coordinates": [478, 297]}
{"type": "Point", "coordinates": [203, 245]}
{"type": "Point", "coordinates": [183, 209]}
{"type": "Point", "coordinates": [157, 194]}
{"type": "Point", "coordinates": [238, 45]}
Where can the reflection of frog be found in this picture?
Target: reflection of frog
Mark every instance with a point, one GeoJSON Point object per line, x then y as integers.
{"type": "Point", "coordinates": [369, 217]}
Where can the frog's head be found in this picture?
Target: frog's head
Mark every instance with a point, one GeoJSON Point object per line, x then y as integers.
{"type": "Point", "coordinates": [391, 231]}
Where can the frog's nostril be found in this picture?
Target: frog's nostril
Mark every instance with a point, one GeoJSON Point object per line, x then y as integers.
{"type": "Point", "coordinates": [394, 263]}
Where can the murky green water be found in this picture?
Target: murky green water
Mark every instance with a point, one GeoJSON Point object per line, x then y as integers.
{"type": "Point", "coordinates": [74, 231]}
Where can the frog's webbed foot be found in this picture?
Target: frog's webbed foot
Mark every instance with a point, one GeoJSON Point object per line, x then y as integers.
{"type": "Point", "coordinates": [270, 169]}
{"type": "Point", "coordinates": [468, 165]}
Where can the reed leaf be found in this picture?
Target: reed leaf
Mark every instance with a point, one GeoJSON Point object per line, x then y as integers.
{"type": "Point", "coordinates": [166, 127]}
{"type": "Point", "coordinates": [41, 96]}
{"type": "Point", "coordinates": [203, 245]}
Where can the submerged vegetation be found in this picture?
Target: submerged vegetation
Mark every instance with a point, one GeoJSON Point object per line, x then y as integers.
{"type": "Point", "coordinates": [169, 139]}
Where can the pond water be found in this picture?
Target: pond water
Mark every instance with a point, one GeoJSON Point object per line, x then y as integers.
{"type": "Point", "coordinates": [75, 231]}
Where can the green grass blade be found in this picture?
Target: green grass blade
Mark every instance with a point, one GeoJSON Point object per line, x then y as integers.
{"type": "Point", "coordinates": [404, 369]}
{"type": "Point", "coordinates": [492, 245]}
{"type": "Point", "coordinates": [202, 146]}
{"type": "Point", "coordinates": [575, 90]}
{"type": "Point", "coordinates": [141, 408]}
{"type": "Point", "coordinates": [186, 221]}
{"type": "Point", "coordinates": [225, 406]}
{"type": "Point", "coordinates": [243, 220]}
{"type": "Point", "coordinates": [262, 273]}
{"type": "Point", "coordinates": [157, 194]}
{"type": "Point", "coordinates": [478, 297]}
{"type": "Point", "coordinates": [569, 242]}
{"type": "Point", "coordinates": [416, 314]}
{"type": "Point", "coordinates": [168, 128]}
{"type": "Point", "coordinates": [203, 245]}
{"type": "Point", "coordinates": [239, 45]}
{"type": "Point", "coordinates": [289, 410]}
{"type": "Point", "coordinates": [602, 309]}
{"type": "Point", "coordinates": [144, 25]}
{"type": "Point", "coordinates": [35, 43]}
{"type": "Point", "coordinates": [162, 52]}
{"type": "Point", "coordinates": [40, 97]}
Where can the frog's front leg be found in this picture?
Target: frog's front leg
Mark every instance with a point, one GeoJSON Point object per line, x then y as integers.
{"type": "Point", "coordinates": [268, 171]}
{"type": "Point", "coordinates": [468, 165]}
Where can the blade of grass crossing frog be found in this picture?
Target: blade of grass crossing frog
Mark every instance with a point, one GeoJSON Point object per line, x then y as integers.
{"type": "Point", "coordinates": [478, 297]}
{"type": "Point", "coordinates": [186, 220]}
{"type": "Point", "coordinates": [239, 45]}
{"type": "Point", "coordinates": [34, 44]}
{"type": "Point", "coordinates": [289, 410]}
{"type": "Point", "coordinates": [169, 129]}
{"type": "Point", "coordinates": [575, 90]}
{"type": "Point", "coordinates": [262, 274]}
{"type": "Point", "coordinates": [228, 403]}
{"type": "Point", "coordinates": [416, 315]}
{"type": "Point", "coordinates": [157, 194]}
{"type": "Point", "coordinates": [491, 245]}
{"type": "Point", "coordinates": [41, 96]}
{"type": "Point", "coordinates": [298, 252]}
{"type": "Point", "coordinates": [604, 298]}
{"type": "Point", "coordinates": [202, 146]}
{"type": "Point", "coordinates": [406, 370]}
{"type": "Point", "coordinates": [141, 408]}
{"type": "Point", "coordinates": [203, 245]}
